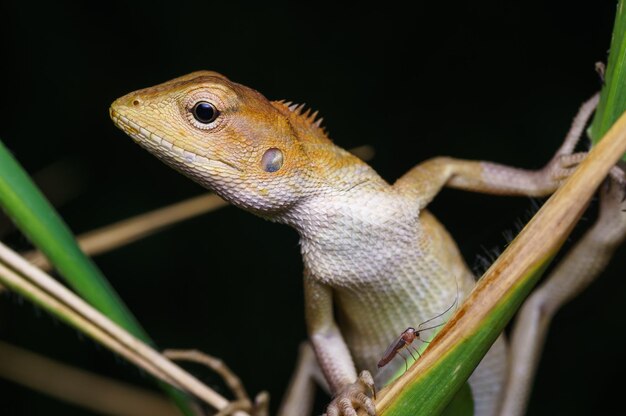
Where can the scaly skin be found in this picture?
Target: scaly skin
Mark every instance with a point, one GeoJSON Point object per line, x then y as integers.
{"type": "Point", "coordinates": [370, 249]}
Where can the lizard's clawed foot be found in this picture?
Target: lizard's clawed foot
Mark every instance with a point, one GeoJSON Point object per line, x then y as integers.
{"type": "Point", "coordinates": [562, 166]}
{"type": "Point", "coordinates": [354, 396]}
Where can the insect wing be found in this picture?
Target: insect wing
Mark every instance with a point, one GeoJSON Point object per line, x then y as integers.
{"type": "Point", "coordinates": [392, 350]}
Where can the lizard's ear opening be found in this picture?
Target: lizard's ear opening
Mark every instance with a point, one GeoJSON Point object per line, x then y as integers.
{"type": "Point", "coordinates": [272, 160]}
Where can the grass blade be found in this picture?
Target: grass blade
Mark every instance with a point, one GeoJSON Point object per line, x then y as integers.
{"type": "Point", "coordinates": [454, 353]}
{"type": "Point", "coordinates": [27, 280]}
{"type": "Point", "coordinates": [613, 99]}
{"type": "Point", "coordinates": [38, 220]}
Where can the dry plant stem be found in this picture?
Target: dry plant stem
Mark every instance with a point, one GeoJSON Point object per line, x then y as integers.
{"type": "Point", "coordinates": [132, 229]}
{"type": "Point", "coordinates": [18, 283]}
{"type": "Point", "coordinates": [73, 385]}
{"type": "Point", "coordinates": [230, 378]}
{"type": "Point", "coordinates": [537, 240]}
{"type": "Point", "coordinates": [124, 232]}
{"type": "Point", "coordinates": [260, 407]}
{"type": "Point", "coordinates": [365, 152]}
{"type": "Point", "coordinates": [233, 407]}
{"type": "Point", "coordinates": [26, 279]}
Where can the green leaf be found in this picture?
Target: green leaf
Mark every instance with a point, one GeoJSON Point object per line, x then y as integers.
{"type": "Point", "coordinates": [38, 220]}
{"type": "Point", "coordinates": [462, 404]}
{"type": "Point", "coordinates": [455, 352]}
{"type": "Point", "coordinates": [435, 380]}
{"type": "Point", "coordinates": [613, 98]}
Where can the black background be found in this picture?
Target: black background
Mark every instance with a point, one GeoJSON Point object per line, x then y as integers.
{"type": "Point", "coordinates": [477, 80]}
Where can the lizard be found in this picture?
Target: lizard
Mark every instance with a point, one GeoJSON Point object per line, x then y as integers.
{"type": "Point", "coordinates": [375, 259]}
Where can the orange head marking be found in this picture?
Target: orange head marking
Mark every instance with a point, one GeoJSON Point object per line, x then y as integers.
{"type": "Point", "coordinates": [223, 135]}
{"type": "Point", "coordinates": [260, 155]}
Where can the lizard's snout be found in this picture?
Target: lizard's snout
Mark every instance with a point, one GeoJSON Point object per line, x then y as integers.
{"type": "Point", "coordinates": [128, 101]}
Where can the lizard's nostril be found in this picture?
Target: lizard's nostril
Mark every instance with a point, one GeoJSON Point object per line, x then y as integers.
{"type": "Point", "coordinates": [136, 102]}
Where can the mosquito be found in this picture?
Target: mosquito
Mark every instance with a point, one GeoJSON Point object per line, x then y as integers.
{"type": "Point", "coordinates": [407, 337]}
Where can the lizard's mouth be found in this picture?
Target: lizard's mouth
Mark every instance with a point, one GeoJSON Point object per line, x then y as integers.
{"type": "Point", "coordinates": [163, 148]}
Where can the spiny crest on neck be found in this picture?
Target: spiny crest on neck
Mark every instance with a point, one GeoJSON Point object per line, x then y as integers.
{"type": "Point", "coordinates": [342, 171]}
{"type": "Point", "coordinates": [304, 119]}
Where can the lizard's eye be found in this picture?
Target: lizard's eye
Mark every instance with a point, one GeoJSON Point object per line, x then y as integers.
{"type": "Point", "coordinates": [272, 160]}
{"type": "Point", "coordinates": [204, 112]}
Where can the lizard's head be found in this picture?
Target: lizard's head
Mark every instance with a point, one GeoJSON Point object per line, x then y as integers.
{"type": "Point", "coordinates": [229, 138]}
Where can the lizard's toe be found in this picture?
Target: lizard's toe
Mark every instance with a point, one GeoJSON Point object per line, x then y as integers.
{"type": "Point", "coordinates": [332, 411]}
{"type": "Point", "coordinates": [366, 403]}
{"type": "Point", "coordinates": [353, 397]}
{"type": "Point", "coordinates": [562, 166]}
{"type": "Point", "coordinates": [346, 406]}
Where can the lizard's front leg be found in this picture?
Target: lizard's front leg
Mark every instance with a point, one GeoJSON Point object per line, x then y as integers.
{"type": "Point", "coordinates": [425, 180]}
{"type": "Point", "coordinates": [349, 391]}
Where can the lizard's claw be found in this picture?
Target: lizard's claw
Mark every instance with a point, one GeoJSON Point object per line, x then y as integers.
{"type": "Point", "coordinates": [354, 396]}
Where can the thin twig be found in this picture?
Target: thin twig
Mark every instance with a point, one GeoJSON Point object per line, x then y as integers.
{"type": "Point", "coordinates": [124, 232]}
{"type": "Point", "coordinates": [215, 364]}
